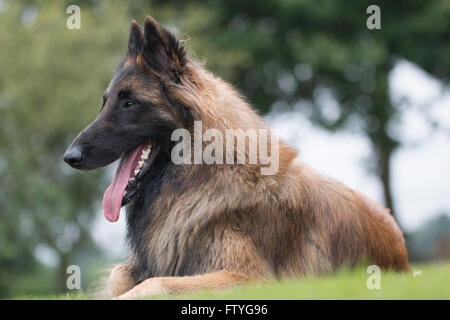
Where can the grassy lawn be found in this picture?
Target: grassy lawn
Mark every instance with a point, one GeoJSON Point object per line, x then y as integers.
{"type": "Point", "coordinates": [430, 282]}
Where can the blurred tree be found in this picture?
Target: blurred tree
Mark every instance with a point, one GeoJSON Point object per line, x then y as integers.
{"type": "Point", "coordinates": [431, 241]}
{"type": "Point", "coordinates": [51, 83]}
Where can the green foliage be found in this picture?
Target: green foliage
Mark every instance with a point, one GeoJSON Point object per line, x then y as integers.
{"type": "Point", "coordinates": [431, 241]}
{"type": "Point", "coordinates": [51, 83]}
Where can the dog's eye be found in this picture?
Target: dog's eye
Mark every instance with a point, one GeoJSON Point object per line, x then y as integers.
{"type": "Point", "coordinates": [128, 104]}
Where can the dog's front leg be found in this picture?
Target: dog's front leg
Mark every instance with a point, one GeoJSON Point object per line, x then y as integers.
{"type": "Point", "coordinates": [178, 285]}
{"type": "Point", "coordinates": [121, 280]}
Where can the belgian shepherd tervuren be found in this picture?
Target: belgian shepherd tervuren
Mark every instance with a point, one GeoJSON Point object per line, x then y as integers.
{"type": "Point", "coordinates": [209, 226]}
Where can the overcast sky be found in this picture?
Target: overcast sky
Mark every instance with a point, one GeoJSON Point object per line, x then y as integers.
{"type": "Point", "coordinates": [420, 173]}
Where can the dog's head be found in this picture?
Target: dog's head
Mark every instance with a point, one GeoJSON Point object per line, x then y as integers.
{"type": "Point", "coordinates": [138, 115]}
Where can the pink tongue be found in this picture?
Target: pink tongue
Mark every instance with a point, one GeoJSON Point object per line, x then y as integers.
{"type": "Point", "coordinates": [112, 199]}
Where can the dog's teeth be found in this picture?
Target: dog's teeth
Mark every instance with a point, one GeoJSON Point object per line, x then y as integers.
{"type": "Point", "coordinates": [141, 163]}
{"type": "Point", "coordinates": [124, 193]}
{"type": "Point", "coordinates": [145, 154]}
{"type": "Point", "coordinates": [136, 172]}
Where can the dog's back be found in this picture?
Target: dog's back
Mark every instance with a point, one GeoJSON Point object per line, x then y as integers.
{"type": "Point", "coordinates": [313, 224]}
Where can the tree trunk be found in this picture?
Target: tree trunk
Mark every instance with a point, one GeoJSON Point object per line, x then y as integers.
{"type": "Point", "coordinates": [384, 171]}
{"type": "Point", "coordinates": [384, 145]}
{"type": "Point", "coordinates": [62, 275]}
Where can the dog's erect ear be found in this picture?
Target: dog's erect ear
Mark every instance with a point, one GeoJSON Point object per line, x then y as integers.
{"type": "Point", "coordinates": [162, 50]}
{"type": "Point", "coordinates": [136, 40]}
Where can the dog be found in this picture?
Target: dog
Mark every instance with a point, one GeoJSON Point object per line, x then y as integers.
{"type": "Point", "coordinates": [195, 226]}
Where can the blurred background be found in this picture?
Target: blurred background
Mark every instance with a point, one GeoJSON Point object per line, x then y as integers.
{"type": "Point", "coordinates": [368, 107]}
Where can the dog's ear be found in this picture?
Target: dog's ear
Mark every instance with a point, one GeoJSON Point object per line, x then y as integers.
{"type": "Point", "coordinates": [136, 40]}
{"type": "Point", "coordinates": [162, 51]}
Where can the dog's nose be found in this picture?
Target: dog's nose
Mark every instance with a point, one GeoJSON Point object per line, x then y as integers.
{"type": "Point", "coordinates": [73, 156]}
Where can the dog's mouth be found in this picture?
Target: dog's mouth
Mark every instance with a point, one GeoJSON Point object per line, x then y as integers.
{"type": "Point", "coordinates": [133, 166]}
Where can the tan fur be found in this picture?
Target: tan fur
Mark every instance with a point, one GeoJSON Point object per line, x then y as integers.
{"type": "Point", "coordinates": [121, 280]}
{"type": "Point", "coordinates": [236, 225]}
{"type": "Point", "coordinates": [179, 285]}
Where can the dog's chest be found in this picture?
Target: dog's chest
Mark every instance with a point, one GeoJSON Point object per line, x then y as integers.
{"type": "Point", "coordinates": [169, 246]}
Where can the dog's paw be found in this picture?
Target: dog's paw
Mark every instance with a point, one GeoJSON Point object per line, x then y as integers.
{"type": "Point", "coordinates": [146, 289]}
{"type": "Point", "coordinates": [120, 280]}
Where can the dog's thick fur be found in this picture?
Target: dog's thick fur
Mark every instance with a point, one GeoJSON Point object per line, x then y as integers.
{"type": "Point", "coordinates": [212, 226]}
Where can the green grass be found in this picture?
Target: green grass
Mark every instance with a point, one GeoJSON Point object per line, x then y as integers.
{"type": "Point", "coordinates": [432, 283]}
{"type": "Point", "coordinates": [68, 296]}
